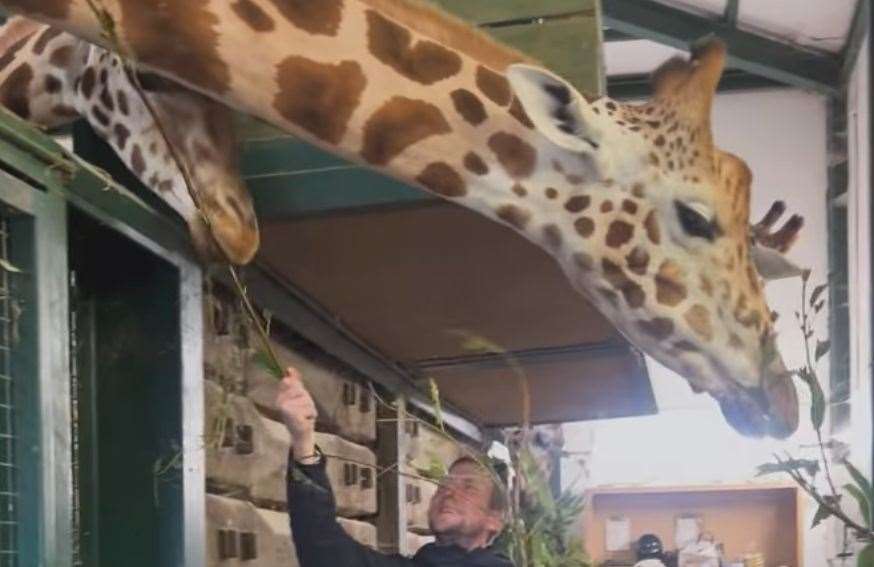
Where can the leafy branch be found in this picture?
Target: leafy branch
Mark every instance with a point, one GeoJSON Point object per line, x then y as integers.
{"type": "Point", "coordinates": [804, 471]}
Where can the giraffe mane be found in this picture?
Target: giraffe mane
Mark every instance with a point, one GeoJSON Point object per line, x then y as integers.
{"type": "Point", "coordinates": [450, 31]}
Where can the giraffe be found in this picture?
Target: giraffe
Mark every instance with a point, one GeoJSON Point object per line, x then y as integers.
{"type": "Point", "coordinates": [646, 216]}
{"type": "Point", "coordinates": [53, 78]}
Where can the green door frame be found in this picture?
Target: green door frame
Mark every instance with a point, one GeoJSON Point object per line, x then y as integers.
{"type": "Point", "coordinates": [55, 179]}
{"type": "Point", "coordinates": [38, 239]}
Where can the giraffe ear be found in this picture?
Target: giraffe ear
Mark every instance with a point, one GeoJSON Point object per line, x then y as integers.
{"type": "Point", "coordinates": [557, 110]}
{"type": "Point", "coordinates": [771, 264]}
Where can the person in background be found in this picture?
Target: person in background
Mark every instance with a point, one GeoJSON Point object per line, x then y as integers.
{"type": "Point", "coordinates": [465, 515]}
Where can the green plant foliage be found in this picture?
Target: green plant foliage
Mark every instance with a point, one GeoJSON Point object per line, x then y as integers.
{"type": "Point", "coordinates": [866, 556]}
{"type": "Point", "coordinates": [809, 466]}
{"type": "Point", "coordinates": [540, 535]}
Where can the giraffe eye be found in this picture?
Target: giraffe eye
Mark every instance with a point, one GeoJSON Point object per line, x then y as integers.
{"type": "Point", "coordinates": [695, 223]}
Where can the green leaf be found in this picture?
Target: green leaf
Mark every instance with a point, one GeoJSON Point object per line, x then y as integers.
{"type": "Point", "coordinates": [811, 467]}
{"type": "Point", "coordinates": [434, 392]}
{"type": "Point", "coordinates": [817, 398]}
{"type": "Point", "coordinates": [864, 504]}
{"type": "Point", "coordinates": [817, 291]}
{"type": "Point", "coordinates": [821, 514]}
{"type": "Point", "coordinates": [866, 556]}
{"type": "Point", "coordinates": [264, 361]}
{"type": "Point", "coordinates": [822, 348]}
{"type": "Point", "coordinates": [864, 486]}
{"type": "Point", "coordinates": [9, 267]}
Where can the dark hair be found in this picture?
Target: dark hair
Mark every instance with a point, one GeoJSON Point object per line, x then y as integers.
{"type": "Point", "coordinates": [498, 501]}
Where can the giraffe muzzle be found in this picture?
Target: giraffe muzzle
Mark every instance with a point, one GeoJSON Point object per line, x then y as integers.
{"type": "Point", "coordinates": [770, 410]}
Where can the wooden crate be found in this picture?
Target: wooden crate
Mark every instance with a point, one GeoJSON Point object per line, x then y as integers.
{"type": "Point", "coordinates": [251, 457]}
{"type": "Point", "coordinates": [426, 447]}
{"type": "Point", "coordinates": [345, 408]}
{"type": "Point", "coordinates": [362, 532]}
{"type": "Point", "coordinates": [748, 518]}
{"type": "Point", "coordinates": [240, 535]}
{"type": "Point", "coordinates": [418, 494]}
{"type": "Point", "coordinates": [352, 471]}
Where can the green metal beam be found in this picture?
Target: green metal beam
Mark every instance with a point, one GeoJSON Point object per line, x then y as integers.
{"type": "Point", "coordinates": [631, 87]}
{"type": "Point", "coordinates": [290, 178]}
{"type": "Point", "coordinates": [855, 39]}
{"type": "Point", "coordinates": [747, 51]}
{"type": "Point", "coordinates": [732, 9]}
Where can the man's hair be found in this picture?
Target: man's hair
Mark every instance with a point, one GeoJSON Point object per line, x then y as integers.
{"type": "Point", "coordinates": [498, 501]}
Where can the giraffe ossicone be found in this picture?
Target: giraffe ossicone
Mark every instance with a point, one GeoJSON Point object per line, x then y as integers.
{"type": "Point", "coordinates": [645, 215]}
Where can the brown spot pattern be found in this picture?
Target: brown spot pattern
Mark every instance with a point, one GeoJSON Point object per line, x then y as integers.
{"type": "Point", "coordinates": [698, 319]}
{"type": "Point", "coordinates": [669, 286]}
{"type": "Point", "coordinates": [253, 15]}
{"type": "Point", "coordinates": [193, 53]}
{"type": "Point", "coordinates": [425, 62]}
{"type": "Point", "coordinates": [121, 97]}
{"type": "Point", "coordinates": [138, 164]}
{"type": "Point", "coordinates": [552, 236]}
{"type": "Point", "coordinates": [442, 179]}
{"type": "Point", "coordinates": [9, 56]}
{"type": "Point", "coordinates": [584, 226]}
{"type": "Point", "coordinates": [516, 155]}
{"type": "Point", "coordinates": [398, 124]}
{"type": "Point", "coordinates": [616, 276]}
{"type": "Point", "coordinates": [577, 203]}
{"type": "Point", "coordinates": [469, 106]}
{"type": "Point", "coordinates": [619, 233]}
{"type": "Point", "coordinates": [61, 56]}
{"type": "Point", "coordinates": [13, 91]}
{"type": "Point", "coordinates": [89, 80]}
{"type": "Point", "coordinates": [320, 98]}
{"type": "Point", "coordinates": [52, 84]}
{"type": "Point", "coordinates": [320, 18]}
{"type": "Point", "coordinates": [629, 206]}
{"type": "Point", "coordinates": [637, 260]}
{"type": "Point", "coordinates": [519, 190]}
{"type": "Point", "coordinates": [551, 193]}
{"type": "Point", "coordinates": [513, 215]}
{"type": "Point", "coordinates": [494, 86]}
{"type": "Point", "coordinates": [651, 224]}
{"type": "Point", "coordinates": [43, 40]}
{"type": "Point", "coordinates": [517, 112]}
{"type": "Point", "coordinates": [121, 135]}
{"type": "Point", "coordinates": [475, 164]}
{"type": "Point", "coordinates": [659, 328]}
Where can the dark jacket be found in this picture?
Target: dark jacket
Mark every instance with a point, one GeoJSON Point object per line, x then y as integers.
{"type": "Point", "coordinates": [321, 541]}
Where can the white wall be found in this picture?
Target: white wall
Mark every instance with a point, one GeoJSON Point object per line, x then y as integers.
{"type": "Point", "coordinates": [782, 136]}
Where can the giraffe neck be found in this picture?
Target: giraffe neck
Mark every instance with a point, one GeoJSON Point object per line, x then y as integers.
{"type": "Point", "coordinates": [390, 84]}
{"type": "Point", "coordinates": [51, 78]}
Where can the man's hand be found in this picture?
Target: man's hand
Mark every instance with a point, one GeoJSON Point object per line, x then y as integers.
{"type": "Point", "coordinates": [298, 412]}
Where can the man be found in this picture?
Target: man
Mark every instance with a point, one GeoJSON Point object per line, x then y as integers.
{"type": "Point", "coordinates": [465, 514]}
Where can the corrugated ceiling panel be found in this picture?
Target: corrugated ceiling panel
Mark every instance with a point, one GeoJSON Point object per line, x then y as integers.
{"type": "Point", "coordinates": [818, 24]}
{"type": "Point", "coordinates": [636, 57]}
{"type": "Point", "coordinates": [700, 6]}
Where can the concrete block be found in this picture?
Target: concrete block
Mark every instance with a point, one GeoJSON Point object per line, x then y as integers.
{"type": "Point", "coordinates": [345, 408]}
{"type": "Point", "coordinates": [352, 471]}
{"type": "Point", "coordinates": [251, 456]}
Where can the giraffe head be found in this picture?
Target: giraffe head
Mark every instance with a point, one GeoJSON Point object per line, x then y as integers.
{"type": "Point", "coordinates": [662, 240]}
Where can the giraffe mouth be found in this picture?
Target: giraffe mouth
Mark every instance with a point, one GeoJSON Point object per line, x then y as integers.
{"type": "Point", "coordinates": [769, 410]}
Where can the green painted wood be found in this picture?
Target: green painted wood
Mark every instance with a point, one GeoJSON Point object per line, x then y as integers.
{"type": "Point", "coordinates": [329, 191]}
{"type": "Point", "coordinates": [571, 47]}
{"type": "Point", "coordinates": [491, 11]}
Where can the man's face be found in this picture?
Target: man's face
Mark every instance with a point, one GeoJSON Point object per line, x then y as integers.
{"type": "Point", "coordinates": [460, 510]}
